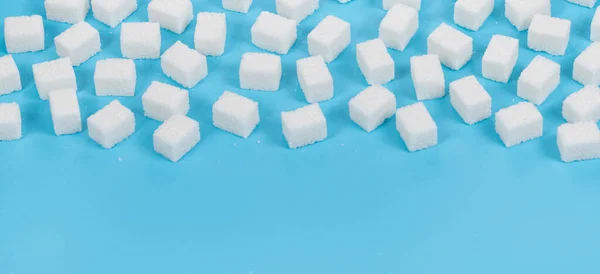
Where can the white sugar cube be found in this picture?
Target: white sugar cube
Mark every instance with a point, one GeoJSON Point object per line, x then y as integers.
{"type": "Point", "coordinates": [161, 101]}
{"type": "Point", "coordinates": [273, 32]}
{"type": "Point", "coordinates": [329, 38]}
{"type": "Point", "coordinates": [176, 137]}
{"type": "Point", "coordinates": [538, 80]}
{"type": "Point", "coordinates": [173, 15]}
{"type": "Point", "coordinates": [388, 4]}
{"type": "Point", "coordinates": [549, 34]}
{"type": "Point", "coordinates": [470, 100]}
{"type": "Point", "coordinates": [471, 14]}
{"type": "Point", "coordinates": [10, 122]}
{"type": "Point", "coordinates": [521, 12]}
{"type": "Point", "coordinates": [416, 127]}
{"type": "Point", "coordinates": [399, 26]}
{"type": "Point", "coordinates": [113, 12]}
{"type": "Point", "coordinates": [519, 123]}
{"type": "Point", "coordinates": [500, 58]}
{"type": "Point", "coordinates": [578, 142]}
{"type": "Point", "coordinates": [53, 75]}
{"type": "Point", "coordinates": [595, 27]}
{"type": "Point", "coordinates": [452, 46]}
{"type": "Point", "coordinates": [304, 126]}
{"type": "Point", "coordinates": [65, 112]}
{"type": "Point", "coordinates": [582, 106]}
{"type": "Point", "coordinates": [585, 3]}
{"type": "Point", "coordinates": [67, 11]}
{"type": "Point", "coordinates": [427, 76]}
{"type": "Point", "coordinates": [79, 42]}
{"type": "Point", "coordinates": [111, 125]}
{"type": "Point", "coordinates": [260, 71]}
{"type": "Point", "coordinates": [115, 77]}
{"type": "Point", "coordinates": [140, 40]}
{"type": "Point", "coordinates": [371, 107]}
{"type": "Point", "coordinates": [296, 9]}
{"type": "Point", "coordinates": [241, 6]}
{"type": "Point", "coordinates": [315, 79]}
{"type": "Point", "coordinates": [24, 34]}
{"type": "Point", "coordinates": [211, 33]}
{"type": "Point", "coordinates": [586, 68]}
{"type": "Point", "coordinates": [10, 77]}
{"type": "Point", "coordinates": [235, 114]}
{"type": "Point", "coordinates": [184, 65]}
{"type": "Point", "coordinates": [375, 62]}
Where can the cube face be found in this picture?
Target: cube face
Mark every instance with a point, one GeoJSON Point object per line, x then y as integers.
{"type": "Point", "coordinates": [521, 12]}
{"type": "Point", "coordinates": [304, 126]}
{"type": "Point", "coordinates": [260, 71]}
{"type": "Point", "coordinates": [578, 141]}
{"type": "Point", "coordinates": [161, 101]}
{"type": "Point", "coordinates": [375, 62]}
{"type": "Point", "coordinates": [24, 34]}
{"type": "Point", "coordinates": [235, 114]}
{"type": "Point", "coordinates": [113, 12]}
{"type": "Point", "coordinates": [329, 38]}
{"type": "Point", "coordinates": [388, 4]}
{"type": "Point", "coordinates": [184, 65]}
{"type": "Point", "coordinates": [67, 11]}
{"type": "Point", "coordinates": [586, 69]}
{"type": "Point", "coordinates": [371, 107]}
{"type": "Point", "coordinates": [549, 34]}
{"type": "Point", "coordinates": [241, 6]}
{"type": "Point", "coordinates": [582, 106]}
{"type": "Point", "coordinates": [10, 122]}
{"type": "Point", "coordinates": [315, 79]}
{"type": "Point", "coordinates": [274, 33]}
{"type": "Point", "coordinates": [585, 3]}
{"type": "Point", "coordinates": [10, 77]}
{"type": "Point", "coordinates": [471, 14]}
{"type": "Point", "coordinates": [140, 40]}
{"type": "Point", "coordinates": [416, 127]}
{"type": "Point", "coordinates": [115, 77]}
{"type": "Point", "coordinates": [428, 77]}
{"type": "Point", "coordinates": [453, 47]}
{"type": "Point", "coordinates": [54, 75]}
{"type": "Point", "coordinates": [111, 125]}
{"type": "Point", "coordinates": [595, 27]}
{"type": "Point", "coordinates": [296, 9]}
{"type": "Point", "coordinates": [79, 42]}
{"type": "Point", "coordinates": [470, 100]}
{"type": "Point", "coordinates": [519, 123]}
{"type": "Point", "coordinates": [173, 15]}
{"type": "Point", "coordinates": [399, 26]}
{"type": "Point", "coordinates": [211, 33]}
{"type": "Point", "coordinates": [64, 108]}
{"type": "Point", "coordinates": [500, 58]}
{"type": "Point", "coordinates": [176, 137]}
{"type": "Point", "coordinates": [538, 80]}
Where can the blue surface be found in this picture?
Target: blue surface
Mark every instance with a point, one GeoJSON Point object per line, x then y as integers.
{"type": "Point", "coordinates": [355, 203]}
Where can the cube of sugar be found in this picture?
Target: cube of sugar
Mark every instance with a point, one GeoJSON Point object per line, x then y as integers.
{"type": "Point", "coordinates": [315, 79]}
{"type": "Point", "coordinates": [273, 32]}
{"type": "Point", "coordinates": [161, 101]}
{"type": "Point", "coordinates": [538, 80]}
{"type": "Point", "coordinates": [173, 15]}
{"type": "Point", "coordinates": [521, 12]}
{"type": "Point", "coordinates": [235, 114]}
{"type": "Point", "coordinates": [296, 9]}
{"type": "Point", "coordinates": [79, 42]}
{"type": "Point", "coordinates": [453, 47]}
{"type": "Point", "coordinates": [10, 122]}
{"type": "Point", "coordinates": [184, 65]}
{"type": "Point", "coordinates": [549, 34]}
{"type": "Point", "coordinates": [388, 4]}
{"type": "Point", "coordinates": [375, 62]}
{"type": "Point", "coordinates": [595, 27]}
{"type": "Point", "coordinates": [24, 34]}
{"type": "Point", "coordinates": [470, 100]}
{"type": "Point", "coordinates": [64, 108]}
{"type": "Point", "coordinates": [586, 69]}
{"type": "Point", "coordinates": [111, 125]}
{"type": "Point", "coordinates": [241, 6]}
{"type": "Point", "coordinates": [519, 123]}
{"type": "Point", "coordinates": [471, 14]}
{"type": "Point", "coordinates": [582, 106]}
{"type": "Point", "coordinates": [67, 11]}
{"type": "Point", "coordinates": [585, 3]}
{"type": "Point", "coordinates": [371, 107]}
{"type": "Point", "coordinates": [140, 40]}
{"type": "Point", "coordinates": [53, 75]}
{"type": "Point", "coordinates": [329, 38]}
{"type": "Point", "coordinates": [10, 77]}
{"type": "Point", "coordinates": [211, 33]}
{"type": "Point", "coordinates": [416, 127]}
{"type": "Point", "coordinates": [500, 58]}
{"type": "Point", "coordinates": [578, 142]}
{"type": "Point", "coordinates": [304, 126]}
{"type": "Point", "coordinates": [399, 26]}
{"type": "Point", "coordinates": [176, 137]}
{"type": "Point", "coordinates": [113, 12]}
{"type": "Point", "coordinates": [115, 77]}
{"type": "Point", "coordinates": [427, 76]}
{"type": "Point", "coordinates": [260, 71]}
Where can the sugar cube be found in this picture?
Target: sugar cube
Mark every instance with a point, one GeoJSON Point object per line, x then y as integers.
{"type": "Point", "coordinates": [453, 47]}
{"type": "Point", "coordinates": [595, 27]}
{"type": "Point", "coordinates": [24, 34]}
{"type": "Point", "coordinates": [315, 79]}
{"type": "Point", "coordinates": [296, 9]}
{"type": "Point", "coordinates": [235, 114]}
{"type": "Point", "coordinates": [10, 122]}
{"type": "Point", "coordinates": [241, 6]}
{"type": "Point", "coordinates": [375, 62]}
{"type": "Point", "coordinates": [471, 14]}
{"type": "Point", "coordinates": [111, 125]}
{"type": "Point", "coordinates": [161, 101]}
{"type": "Point", "coordinates": [53, 75]}
{"type": "Point", "coordinates": [538, 80]}
{"type": "Point", "coordinates": [585, 3]}
{"type": "Point", "coordinates": [371, 107]}
{"type": "Point", "coordinates": [140, 40]}
{"type": "Point", "coordinates": [67, 11]}
{"type": "Point", "coordinates": [399, 26]}
{"type": "Point", "coordinates": [586, 68]}
{"type": "Point", "coordinates": [578, 142]}
{"type": "Point", "coordinates": [64, 108]}
{"type": "Point", "coordinates": [519, 123]}
{"type": "Point", "coordinates": [427, 76]}
{"type": "Point", "coordinates": [273, 32]}
{"type": "Point", "coordinates": [521, 12]}
{"type": "Point", "coordinates": [211, 33]}
{"type": "Point", "coordinates": [470, 100]}
{"type": "Point", "coordinates": [582, 106]}
{"type": "Point", "coordinates": [184, 65]}
{"type": "Point", "coordinates": [173, 15]}
{"type": "Point", "coordinates": [260, 71]}
{"type": "Point", "coordinates": [176, 137]}
{"type": "Point", "coordinates": [549, 34]}
{"type": "Point", "coordinates": [500, 58]}
{"type": "Point", "coordinates": [113, 12]}
{"type": "Point", "coordinates": [416, 127]}
{"type": "Point", "coordinates": [329, 38]}
{"type": "Point", "coordinates": [10, 77]}
{"type": "Point", "coordinates": [304, 126]}
{"type": "Point", "coordinates": [79, 42]}
{"type": "Point", "coordinates": [388, 4]}
{"type": "Point", "coordinates": [115, 77]}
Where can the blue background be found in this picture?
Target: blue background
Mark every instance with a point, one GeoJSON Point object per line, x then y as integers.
{"type": "Point", "coordinates": [355, 203]}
